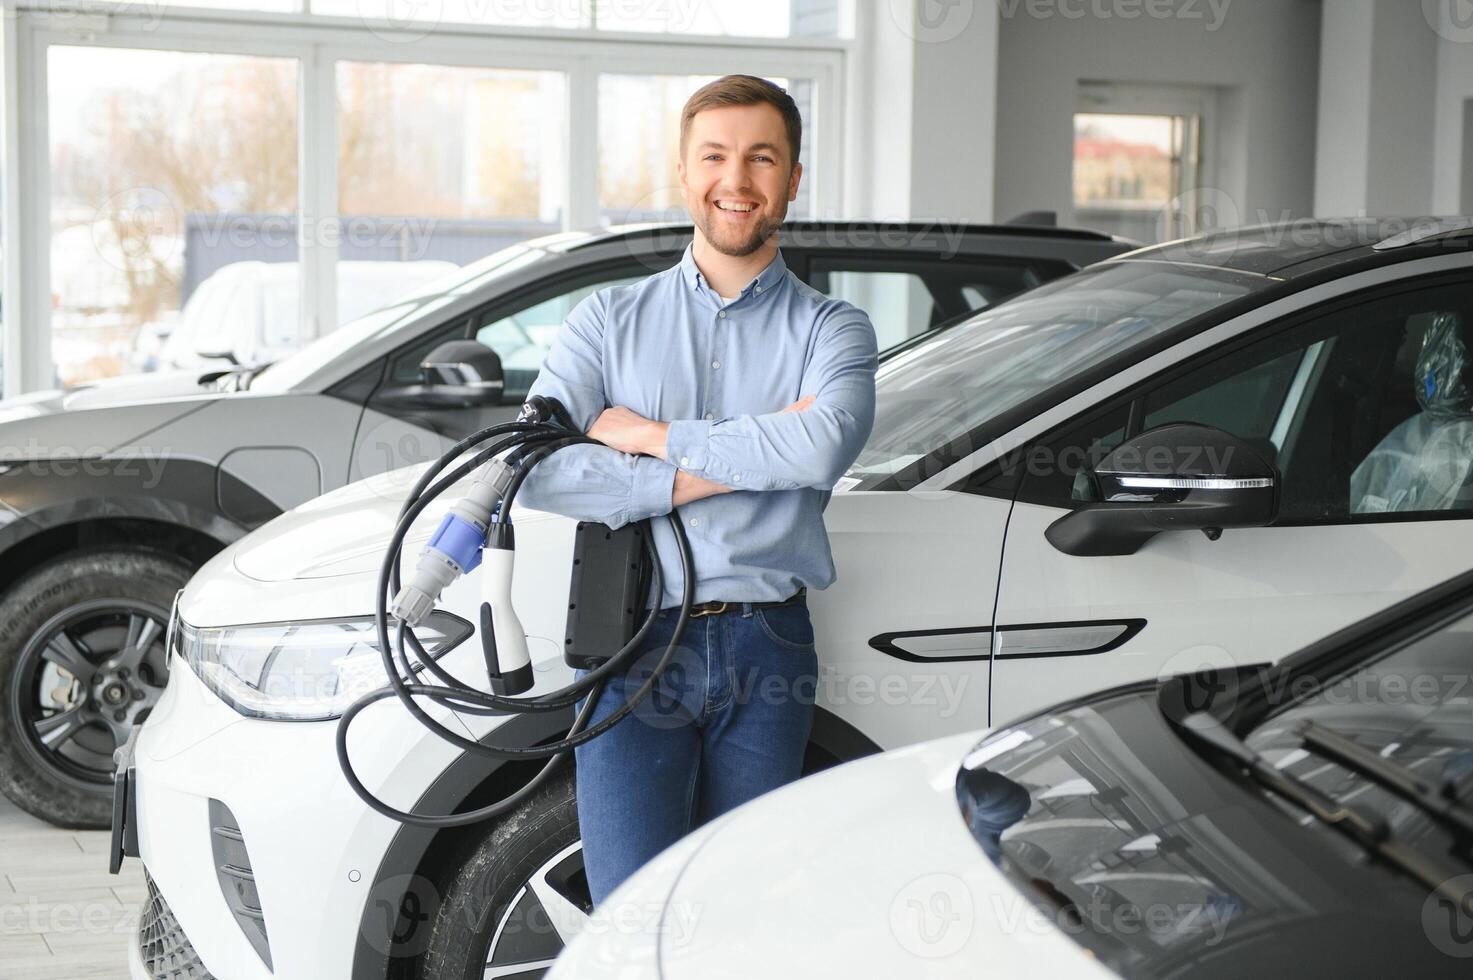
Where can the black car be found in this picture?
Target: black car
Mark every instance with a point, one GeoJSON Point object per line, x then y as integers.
{"type": "Point", "coordinates": [1315, 817]}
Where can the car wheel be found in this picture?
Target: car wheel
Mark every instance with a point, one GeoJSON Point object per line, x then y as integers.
{"type": "Point", "coordinates": [520, 894]}
{"type": "Point", "coordinates": [82, 656]}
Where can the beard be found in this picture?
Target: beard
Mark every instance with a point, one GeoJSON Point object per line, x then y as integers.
{"type": "Point", "coordinates": [733, 241]}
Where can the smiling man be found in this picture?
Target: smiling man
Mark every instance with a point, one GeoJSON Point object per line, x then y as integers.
{"type": "Point", "coordinates": [727, 387]}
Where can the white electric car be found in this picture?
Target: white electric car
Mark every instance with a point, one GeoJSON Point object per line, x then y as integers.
{"type": "Point", "coordinates": [1204, 453]}
{"type": "Point", "coordinates": [1106, 838]}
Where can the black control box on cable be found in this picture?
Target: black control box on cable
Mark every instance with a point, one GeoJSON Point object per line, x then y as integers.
{"type": "Point", "coordinates": [606, 598]}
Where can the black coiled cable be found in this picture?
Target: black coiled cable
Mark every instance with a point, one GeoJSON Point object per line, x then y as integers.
{"type": "Point", "coordinates": [532, 441]}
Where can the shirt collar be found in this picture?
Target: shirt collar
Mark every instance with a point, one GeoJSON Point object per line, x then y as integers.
{"type": "Point", "coordinates": [764, 280]}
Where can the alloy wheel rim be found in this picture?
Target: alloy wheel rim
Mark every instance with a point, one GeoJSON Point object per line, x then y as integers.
{"type": "Point", "coordinates": [549, 909]}
{"type": "Point", "coordinates": [84, 679]}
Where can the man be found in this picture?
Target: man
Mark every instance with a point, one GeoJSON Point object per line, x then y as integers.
{"type": "Point", "coordinates": [728, 388]}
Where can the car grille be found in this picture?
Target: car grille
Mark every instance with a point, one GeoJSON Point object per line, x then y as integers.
{"type": "Point", "coordinates": [167, 952]}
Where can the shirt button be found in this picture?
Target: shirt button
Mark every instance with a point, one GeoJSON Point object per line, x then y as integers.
{"type": "Point", "coordinates": [722, 314]}
{"type": "Point", "coordinates": [708, 416]}
{"type": "Point", "coordinates": [695, 522]}
{"type": "Point", "coordinates": [685, 461]}
{"type": "Point", "coordinates": [736, 477]}
{"type": "Point", "coordinates": [759, 289]}
{"type": "Point", "coordinates": [715, 365]}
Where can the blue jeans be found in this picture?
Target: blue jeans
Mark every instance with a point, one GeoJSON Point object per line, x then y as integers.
{"type": "Point", "coordinates": [728, 721]}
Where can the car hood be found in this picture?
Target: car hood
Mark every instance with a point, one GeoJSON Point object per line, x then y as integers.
{"type": "Point", "coordinates": [867, 869]}
{"type": "Point", "coordinates": [346, 532]}
{"type": "Point", "coordinates": [97, 418]}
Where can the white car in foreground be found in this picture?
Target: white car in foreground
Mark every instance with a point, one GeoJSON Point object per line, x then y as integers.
{"type": "Point", "coordinates": [1038, 514]}
{"type": "Point", "coordinates": [1111, 836]}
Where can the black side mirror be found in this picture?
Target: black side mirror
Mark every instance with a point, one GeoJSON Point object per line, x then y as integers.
{"type": "Point", "coordinates": [1174, 477]}
{"type": "Point", "coordinates": [457, 374]}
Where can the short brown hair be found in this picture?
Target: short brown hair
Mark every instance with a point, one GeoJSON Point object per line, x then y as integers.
{"type": "Point", "coordinates": [744, 90]}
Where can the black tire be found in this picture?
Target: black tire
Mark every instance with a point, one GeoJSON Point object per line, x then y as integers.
{"type": "Point", "coordinates": [104, 614]}
{"type": "Point", "coordinates": [491, 896]}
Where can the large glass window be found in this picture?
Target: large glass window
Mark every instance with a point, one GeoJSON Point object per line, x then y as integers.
{"type": "Point", "coordinates": [447, 163]}
{"type": "Point", "coordinates": [639, 143]}
{"type": "Point", "coordinates": [166, 168]}
{"type": "Point", "coordinates": [1131, 172]}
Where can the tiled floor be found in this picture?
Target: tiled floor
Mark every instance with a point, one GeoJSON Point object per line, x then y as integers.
{"type": "Point", "coordinates": [62, 916]}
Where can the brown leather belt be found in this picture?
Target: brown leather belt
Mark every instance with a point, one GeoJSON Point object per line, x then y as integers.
{"type": "Point", "coordinates": [717, 606]}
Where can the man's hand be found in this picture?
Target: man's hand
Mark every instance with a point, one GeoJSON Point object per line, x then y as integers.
{"type": "Point", "coordinates": [690, 487]}
{"type": "Point", "coordinates": [629, 432]}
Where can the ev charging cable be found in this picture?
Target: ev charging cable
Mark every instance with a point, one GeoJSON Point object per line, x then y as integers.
{"type": "Point", "coordinates": [477, 530]}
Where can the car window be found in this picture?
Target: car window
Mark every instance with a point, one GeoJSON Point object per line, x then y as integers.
{"type": "Point", "coordinates": [1366, 409]}
{"type": "Point", "coordinates": [906, 297]}
{"type": "Point", "coordinates": [934, 399]}
{"type": "Point", "coordinates": [523, 337]}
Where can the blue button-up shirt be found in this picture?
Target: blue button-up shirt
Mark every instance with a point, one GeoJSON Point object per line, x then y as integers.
{"type": "Point", "coordinates": [668, 348]}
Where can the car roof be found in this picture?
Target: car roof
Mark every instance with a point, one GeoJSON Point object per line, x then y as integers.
{"type": "Point", "coordinates": [1294, 248]}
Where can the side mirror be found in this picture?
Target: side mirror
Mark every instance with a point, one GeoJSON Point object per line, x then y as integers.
{"type": "Point", "coordinates": [1174, 477]}
{"type": "Point", "coordinates": [457, 374]}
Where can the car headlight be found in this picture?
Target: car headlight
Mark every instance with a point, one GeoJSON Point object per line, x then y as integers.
{"type": "Point", "coordinates": [300, 671]}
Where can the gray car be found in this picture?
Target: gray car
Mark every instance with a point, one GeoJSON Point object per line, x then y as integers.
{"type": "Point", "coordinates": [111, 495]}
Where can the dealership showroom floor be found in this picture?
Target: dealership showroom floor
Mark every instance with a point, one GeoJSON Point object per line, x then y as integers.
{"type": "Point", "coordinates": [703, 489]}
{"type": "Point", "coordinates": [63, 915]}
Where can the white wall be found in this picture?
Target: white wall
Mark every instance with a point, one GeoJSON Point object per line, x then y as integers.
{"type": "Point", "coordinates": [1378, 89]}
{"type": "Point", "coordinates": [1451, 166]}
{"type": "Point", "coordinates": [1262, 57]}
{"type": "Point", "coordinates": [922, 99]}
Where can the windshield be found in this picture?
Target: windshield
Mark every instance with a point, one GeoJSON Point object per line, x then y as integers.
{"type": "Point", "coordinates": [934, 394]}
{"type": "Point", "coordinates": [291, 371]}
{"type": "Point", "coordinates": [1413, 707]}
{"type": "Point", "coordinates": [1135, 844]}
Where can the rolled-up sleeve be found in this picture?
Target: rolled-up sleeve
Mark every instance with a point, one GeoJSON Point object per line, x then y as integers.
{"type": "Point", "coordinates": [588, 482]}
{"type": "Point", "coordinates": [789, 450]}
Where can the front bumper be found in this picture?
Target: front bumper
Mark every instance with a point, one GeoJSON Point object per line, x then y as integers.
{"type": "Point", "coordinates": [314, 848]}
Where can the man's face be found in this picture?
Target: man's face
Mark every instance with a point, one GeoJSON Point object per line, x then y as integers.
{"type": "Point", "coordinates": [738, 176]}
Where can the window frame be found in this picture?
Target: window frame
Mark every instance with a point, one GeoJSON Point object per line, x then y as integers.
{"type": "Point", "coordinates": [1134, 397]}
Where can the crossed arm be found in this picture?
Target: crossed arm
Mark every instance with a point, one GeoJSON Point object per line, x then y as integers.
{"type": "Point", "coordinates": [646, 467]}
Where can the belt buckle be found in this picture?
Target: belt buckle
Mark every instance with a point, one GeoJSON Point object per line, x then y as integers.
{"type": "Point", "coordinates": [719, 608]}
